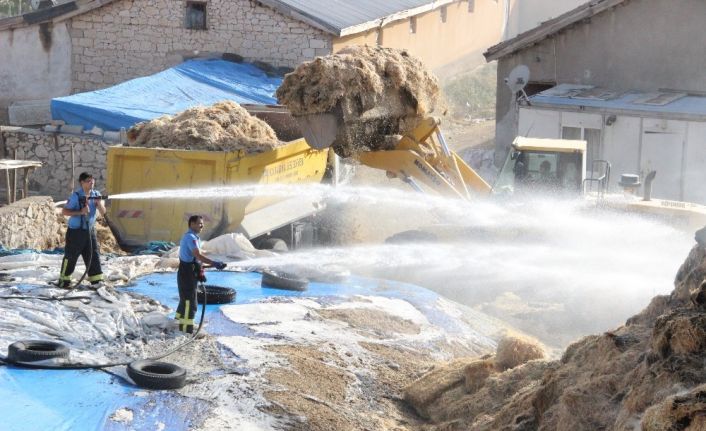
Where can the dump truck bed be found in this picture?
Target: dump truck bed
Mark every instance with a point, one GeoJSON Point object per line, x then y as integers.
{"type": "Point", "coordinates": [138, 221]}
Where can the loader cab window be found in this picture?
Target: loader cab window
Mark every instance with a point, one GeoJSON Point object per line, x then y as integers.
{"type": "Point", "coordinates": [538, 171]}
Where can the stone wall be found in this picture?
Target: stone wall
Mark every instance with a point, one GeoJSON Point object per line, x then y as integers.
{"type": "Point", "coordinates": [126, 39]}
{"type": "Point", "coordinates": [63, 158]}
{"type": "Point", "coordinates": [31, 223]}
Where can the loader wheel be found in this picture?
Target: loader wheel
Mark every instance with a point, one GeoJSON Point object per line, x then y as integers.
{"type": "Point", "coordinates": [411, 236]}
{"type": "Point", "coordinates": [283, 280]}
{"type": "Point", "coordinates": [150, 374]}
{"type": "Point", "coordinates": [274, 244]}
{"type": "Point", "coordinates": [36, 350]}
{"type": "Point", "coordinates": [216, 295]}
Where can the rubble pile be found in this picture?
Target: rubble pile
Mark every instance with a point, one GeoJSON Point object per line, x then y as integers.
{"type": "Point", "coordinates": [373, 92]}
{"type": "Point", "coordinates": [648, 373]}
{"type": "Point", "coordinates": [225, 126]}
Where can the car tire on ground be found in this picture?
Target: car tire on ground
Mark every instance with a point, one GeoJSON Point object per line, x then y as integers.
{"type": "Point", "coordinates": [216, 295]}
{"type": "Point", "coordinates": [150, 374]}
{"type": "Point", "coordinates": [36, 350]}
{"type": "Point", "coordinates": [283, 280]}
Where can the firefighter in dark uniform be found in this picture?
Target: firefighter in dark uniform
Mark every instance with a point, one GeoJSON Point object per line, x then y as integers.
{"type": "Point", "coordinates": [190, 272]}
{"type": "Point", "coordinates": [81, 208]}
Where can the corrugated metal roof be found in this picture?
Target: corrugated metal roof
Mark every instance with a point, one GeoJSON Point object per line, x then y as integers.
{"type": "Point", "coordinates": [672, 104]}
{"type": "Point", "coordinates": [342, 17]}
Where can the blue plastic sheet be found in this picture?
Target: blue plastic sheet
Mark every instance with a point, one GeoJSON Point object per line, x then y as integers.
{"type": "Point", "coordinates": [192, 83]}
{"type": "Point", "coordinates": [85, 400]}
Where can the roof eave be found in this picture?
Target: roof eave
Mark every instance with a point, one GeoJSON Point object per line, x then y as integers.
{"type": "Point", "coordinates": [549, 28]}
{"type": "Point", "coordinates": [397, 16]}
{"type": "Point", "coordinates": [57, 13]}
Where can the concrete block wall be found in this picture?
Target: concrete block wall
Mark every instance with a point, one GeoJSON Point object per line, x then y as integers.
{"type": "Point", "coordinates": [31, 223]}
{"type": "Point", "coordinates": [127, 39]}
{"type": "Point", "coordinates": [63, 158]}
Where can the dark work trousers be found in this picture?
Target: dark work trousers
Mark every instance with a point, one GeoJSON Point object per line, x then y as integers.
{"type": "Point", "coordinates": [186, 282]}
{"type": "Point", "coordinates": [81, 242]}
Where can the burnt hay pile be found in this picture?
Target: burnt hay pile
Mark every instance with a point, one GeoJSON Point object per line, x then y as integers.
{"type": "Point", "coordinates": [225, 126]}
{"type": "Point", "coordinates": [648, 374]}
{"type": "Point", "coordinates": [373, 91]}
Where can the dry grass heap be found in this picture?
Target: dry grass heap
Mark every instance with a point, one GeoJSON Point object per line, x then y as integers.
{"type": "Point", "coordinates": [375, 91]}
{"type": "Point", "coordinates": [225, 126]}
{"type": "Point", "coordinates": [648, 374]}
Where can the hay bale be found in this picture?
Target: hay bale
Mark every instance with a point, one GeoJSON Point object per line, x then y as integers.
{"type": "Point", "coordinates": [429, 387]}
{"type": "Point", "coordinates": [225, 126]}
{"type": "Point", "coordinates": [374, 91]}
{"type": "Point", "coordinates": [515, 350]}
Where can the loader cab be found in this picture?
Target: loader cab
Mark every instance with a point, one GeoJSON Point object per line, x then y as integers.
{"type": "Point", "coordinates": [543, 166]}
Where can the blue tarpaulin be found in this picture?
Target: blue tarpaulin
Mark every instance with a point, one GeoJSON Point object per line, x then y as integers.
{"type": "Point", "coordinates": [86, 400]}
{"type": "Point", "coordinates": [192, 83]}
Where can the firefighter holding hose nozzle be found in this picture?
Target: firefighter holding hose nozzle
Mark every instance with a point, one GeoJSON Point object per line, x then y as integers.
{"type": "Point", "coordinates": [190, 273]}
{"type": "Point", "coordinates": [81, 240]}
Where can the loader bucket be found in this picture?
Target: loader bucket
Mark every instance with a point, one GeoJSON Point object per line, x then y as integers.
{"type": "Point", "coordinates": [319, 130]}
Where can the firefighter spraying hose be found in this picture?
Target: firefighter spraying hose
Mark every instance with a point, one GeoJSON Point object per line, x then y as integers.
{"type": "Point", "coordinates": [81, 240]}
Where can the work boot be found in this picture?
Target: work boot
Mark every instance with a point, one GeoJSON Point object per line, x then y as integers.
{"type": "Point", "coordinates": [65, 285]}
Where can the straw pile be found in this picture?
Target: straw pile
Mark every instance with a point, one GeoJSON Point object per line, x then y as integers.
{"type": "Point", "coordinates": [225, 126]}
{"type": "Point", "coordinates": [648, 373]}
{"type": "Point", "coordinates": [516, 350]}
{"type": "Point", "coordinates": [374, 91]}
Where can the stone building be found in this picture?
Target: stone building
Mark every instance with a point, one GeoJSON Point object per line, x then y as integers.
{"type": "Point", "coordinates": [90, 44]}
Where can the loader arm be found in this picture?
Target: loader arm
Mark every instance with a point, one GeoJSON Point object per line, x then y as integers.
{"type": "Point", "coordinates": [422, 155]}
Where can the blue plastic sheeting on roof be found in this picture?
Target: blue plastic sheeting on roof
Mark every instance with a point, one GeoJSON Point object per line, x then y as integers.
{"type": "Point", "coordinates": [688, 106]}
{"type": "Point", "coordinates": [195, 82]}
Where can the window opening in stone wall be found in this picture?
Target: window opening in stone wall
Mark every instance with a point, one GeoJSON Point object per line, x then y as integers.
{"type": "Point", "coordinates": [443, 13]}
{"type": "Point", "coordinates": [471, 5]}
{"type": "Point", "coordinates": [413, 24]}
{"type": "Point", "coordinates": [196, 15]}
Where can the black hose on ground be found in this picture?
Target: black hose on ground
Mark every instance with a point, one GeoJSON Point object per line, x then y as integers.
{"type": "Point", "coordinates": [6, 361]}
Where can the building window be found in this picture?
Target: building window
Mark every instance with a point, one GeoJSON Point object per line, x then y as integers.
{"type": "Point", "coordinates": [413, 24]}
{"type": "Point", "coordinates": [443, 13]}
{"type": "Point", "coordinates": [196, 15]}
{"type": "Point", "coordinates": [471, 5]}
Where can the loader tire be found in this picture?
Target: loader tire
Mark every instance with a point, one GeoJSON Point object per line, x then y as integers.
{"type": "Point", "coordinates": [274, 244]}
{"type": "Point", "coordinates": [216, 295]}
{"type": "Point", "coordinates": [150, 374]}
{"type": "Point", "coordinates": [283, 280]}
{"type": "Point", "coordinates": [411, 236]}
{"type": "Point", "coordinates": [36, 350]}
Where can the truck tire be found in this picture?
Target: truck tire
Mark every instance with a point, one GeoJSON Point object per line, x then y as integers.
{"type": "Point", "coordinates": [150, 374]}
{"type": "Point", "coordinates": [216, 295]}
{"type": "Point", "coordinates": [411, 236]}
{"type": "Point", "coordinates": [36, 350]}
{"type": "Point", "coordinates": [283, 280]}
{"type": "Point", "coordinates": [274, 244]}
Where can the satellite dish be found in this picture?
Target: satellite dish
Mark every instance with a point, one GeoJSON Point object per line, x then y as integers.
{"type": "Point", "coordinates": [518, 78]}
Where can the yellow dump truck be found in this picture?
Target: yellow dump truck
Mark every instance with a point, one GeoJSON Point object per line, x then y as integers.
{"type": "Point", "coordinates": [134, 169]}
